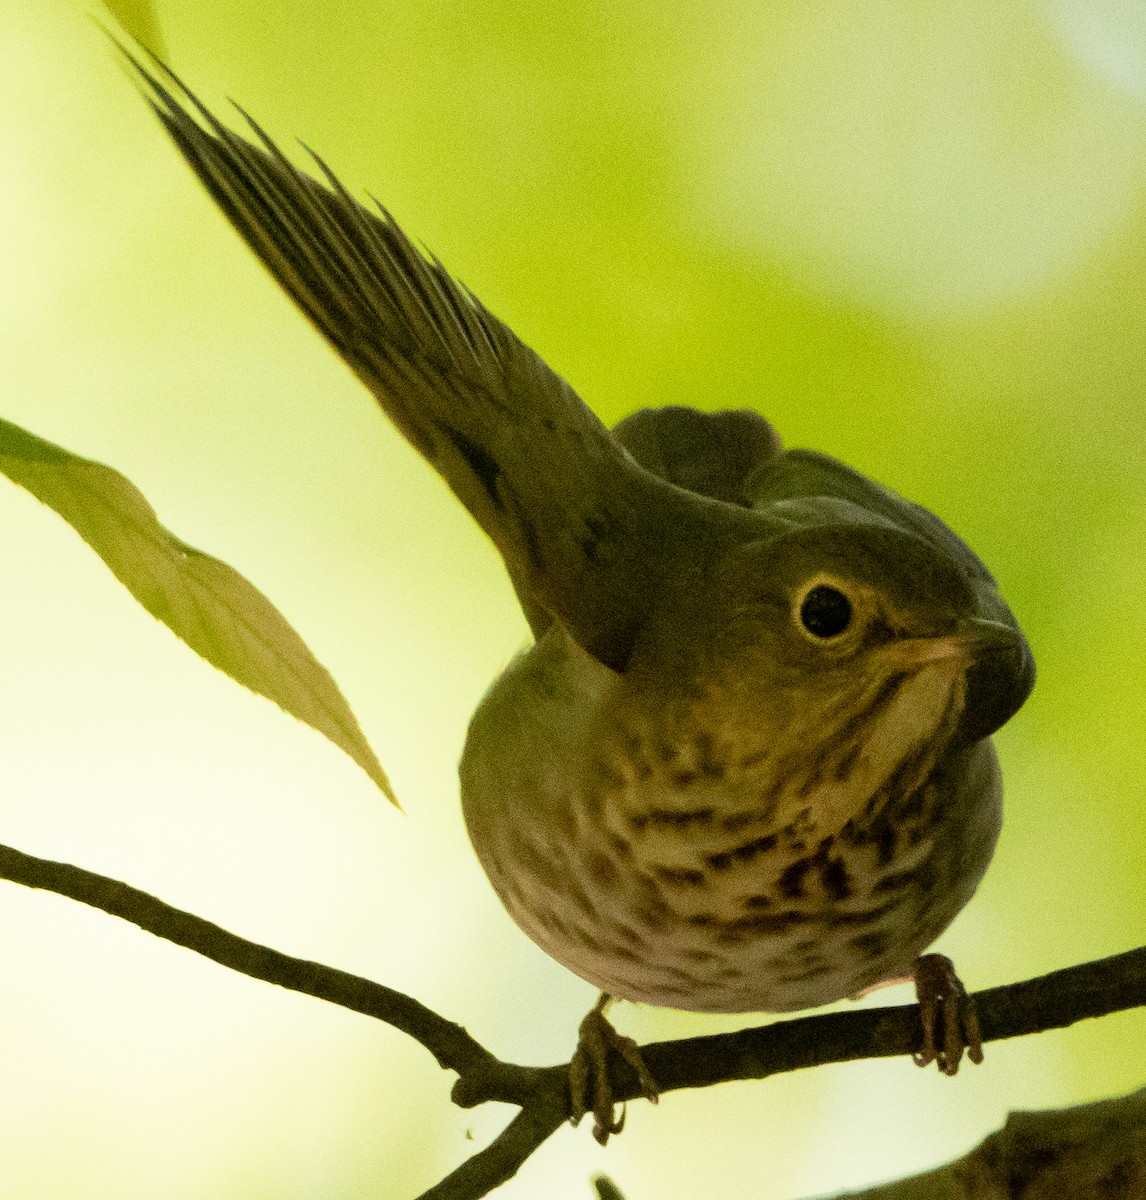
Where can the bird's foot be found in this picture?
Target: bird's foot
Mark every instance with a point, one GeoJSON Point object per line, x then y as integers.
{"type": "Point", "coordinates": [589, 1072]}
{"type": "Point", "coordinates": [947, 1012]}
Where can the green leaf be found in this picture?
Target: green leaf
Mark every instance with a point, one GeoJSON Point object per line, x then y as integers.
{"type": "Point", "coordinates": [138, 19]}
{"type": "Point", "coordinates": [221, 616]}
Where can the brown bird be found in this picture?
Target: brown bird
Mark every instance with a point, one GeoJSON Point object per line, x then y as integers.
{"type": "Point", "coordinates": [745, 765]}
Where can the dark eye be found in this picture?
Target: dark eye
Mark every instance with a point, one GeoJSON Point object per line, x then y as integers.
{"type": "Point", "coordinates": [826, 612]}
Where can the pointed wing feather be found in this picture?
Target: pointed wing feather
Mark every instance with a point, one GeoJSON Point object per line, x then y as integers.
{"type": "Point", "coordinates": [564, 504]}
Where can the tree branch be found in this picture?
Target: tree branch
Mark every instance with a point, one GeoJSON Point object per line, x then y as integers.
{"type": "Point", "coordinates": [538, 1120]}
{"type": "Point", "coordinates": [450, 1044]}
{"type": "Point", "coordinates": [1048, 1002]}
{"type": "Point", "coordinates": [1096, 1151]}
{"type": "Point", "coordinates": [1032, 1006]}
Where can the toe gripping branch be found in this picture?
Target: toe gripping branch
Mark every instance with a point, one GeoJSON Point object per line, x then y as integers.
{"type": "Point", "coordinates": [950, 1028]}
{"type": "Point", "coordinates": [589, 1085]}
{"type": "Point", "coordinates": [948, 1015]}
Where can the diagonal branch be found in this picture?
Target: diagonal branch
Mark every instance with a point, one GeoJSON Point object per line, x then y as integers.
{"type": "Point", "coordinates": [542, 1093]}
{"type": "Point", "coordinates": [1051, 1001]}
{"type": "Point", "coordinates": [448, 1043]}
{"type": "Point", "coordinates": [538, 1120]}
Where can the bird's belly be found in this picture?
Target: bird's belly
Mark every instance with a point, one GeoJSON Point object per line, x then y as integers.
{"type": "Point", "coordinates": [685, 902]}
{"type": "Point", "coordinates": [766, 937]}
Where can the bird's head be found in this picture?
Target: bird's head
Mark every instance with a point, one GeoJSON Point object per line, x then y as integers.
{"type": "Point", "coordinates": [856, 637]}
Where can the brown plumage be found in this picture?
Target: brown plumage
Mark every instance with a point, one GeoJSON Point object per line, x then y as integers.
{"type": "Point", "coordinates": [746, 764]}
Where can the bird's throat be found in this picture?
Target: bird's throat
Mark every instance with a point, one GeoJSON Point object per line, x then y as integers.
{"type": "Point", "coordinates": [797, 770]}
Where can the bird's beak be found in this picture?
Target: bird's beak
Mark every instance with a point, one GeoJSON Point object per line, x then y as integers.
{"type": "Point", "coordinates": [971, 637]}
{"type": "Point", "coordinates": [1000, 670]}
{"type": "Point", "coordinates": [1000, 673]}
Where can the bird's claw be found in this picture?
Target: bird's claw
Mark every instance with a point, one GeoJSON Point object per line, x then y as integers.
{"type": "Point", "coordinates": [946, 1010]}
{"type": "Point", "coordinates": [589, 1083]}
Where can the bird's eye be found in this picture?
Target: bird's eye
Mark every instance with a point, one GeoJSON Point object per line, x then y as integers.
{"type": "Point", "coordinates": [825, 612]}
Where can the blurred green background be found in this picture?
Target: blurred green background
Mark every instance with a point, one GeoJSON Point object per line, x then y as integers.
{"type": "Point", "coordinates": [911, 232]}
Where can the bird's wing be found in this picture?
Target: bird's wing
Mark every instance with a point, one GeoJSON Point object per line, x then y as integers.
{"type": "Point", "coordinates": [714, 454]}
{"type": "Point", "coordinates": [563, 503]}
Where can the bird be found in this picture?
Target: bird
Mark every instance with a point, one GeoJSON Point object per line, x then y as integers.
{"type": "Point", "coordinates": [745, 764]}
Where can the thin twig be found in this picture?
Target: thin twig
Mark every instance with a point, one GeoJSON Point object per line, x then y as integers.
{"type": "Point", "coordinates": [499, 1161]}
{"type": "Point", "coordinates": [1052, 1001]}
{"type": "Point", "coordinates": [450, 1044]}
